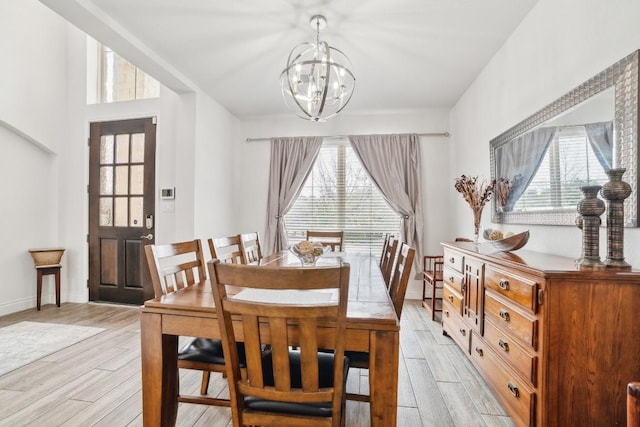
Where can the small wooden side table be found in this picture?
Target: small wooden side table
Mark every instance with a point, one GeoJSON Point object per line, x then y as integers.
{"type": "Point", "coordinates": [47, 261]}
{"type": "Point", "coordinates": [46, 270]}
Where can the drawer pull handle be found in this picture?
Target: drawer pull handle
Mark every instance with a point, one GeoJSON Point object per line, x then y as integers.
{"type": "Point", "coordinates": [463, 332]}
{"type": "Point", "coordinates": [479, 351]}
{"type": "Point", "coordinates": [463, 286]}
{"type": "Point", "coordinates": [513, 389]}
{"type": "Point", "coordinates": [451, 298]}
{"type": "Point", "coordinates": [452, 260]}
{"type": "Point", "coordinates": [503, 345]}
{"type": "Point", "coordinates": [451, 279]}
{"type": "Point", "coordinates": [446, 313]}
{"type": "Point", "coordinates": [504, 284]}
{"type": "Point", "coordinates": [504, 314]}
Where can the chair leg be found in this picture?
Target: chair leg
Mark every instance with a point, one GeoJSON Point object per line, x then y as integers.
{"type": "Point", "coordinates": [205, 382]}
{"type": "Point", "coordinates": [433, 300]}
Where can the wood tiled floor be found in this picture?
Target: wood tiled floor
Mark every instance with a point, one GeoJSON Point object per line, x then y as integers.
{"type": "Point", "coordinates": [97, 381]}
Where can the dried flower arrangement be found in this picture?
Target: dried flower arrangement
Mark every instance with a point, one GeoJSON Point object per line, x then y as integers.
{"type": "Point", "coordinates": [477, 195]}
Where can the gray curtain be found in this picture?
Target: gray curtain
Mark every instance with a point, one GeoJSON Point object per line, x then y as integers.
{"type": "Point", "coordinates": [600, 136]}
{"type": "Point", "coordinates": [519, 160]}
{"type": "Point", "coordinates": [291, 163]}
{"type": "Point", "coordinates": [393, 163]}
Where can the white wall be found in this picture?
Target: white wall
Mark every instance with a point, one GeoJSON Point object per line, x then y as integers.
{"type": "Point", "coordinates": [32, 123]}
{"type": "Point", "coordinates": [44, 127]}
{"type": "Point", "coordinates": [559, 45]}
{"type": "Point", "coordinates": [252, 164]}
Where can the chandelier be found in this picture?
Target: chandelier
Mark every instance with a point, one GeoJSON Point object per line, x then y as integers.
{"type": "Point", "coordinates": [317, 83]}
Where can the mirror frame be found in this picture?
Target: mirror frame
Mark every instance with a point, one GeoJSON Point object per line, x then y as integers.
{"type": "Point", "coordinates": [623, 75]}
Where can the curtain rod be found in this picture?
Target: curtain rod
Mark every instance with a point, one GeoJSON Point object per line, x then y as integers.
{"type": "Point", "coordinates": [346, 136]}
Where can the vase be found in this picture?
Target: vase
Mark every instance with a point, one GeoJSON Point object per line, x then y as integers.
{"type": "Point", "coordinates": [614, 192]}
{"type": "Point", "coordinates": [590, 208]}
{"type": "Point", "coordinates": [477, 216]}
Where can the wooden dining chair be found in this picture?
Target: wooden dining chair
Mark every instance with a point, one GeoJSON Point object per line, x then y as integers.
{"type": "Point", "coordinates": [284, 387]}
{"type": "Point", "coordinates": [250, 246]}
{"type": "Point", "coordinates": [175, 266]}
{"type": "Point", "coordinates": [397, 292]}
{"type": "Point", "coordinates": [227, 249]}
{"type": "Point", "coordinates": [388, 258]}
{"type": "Point", "coordinates": [334, 239]}
{"type": "Point", "coordinates": [432, 276]}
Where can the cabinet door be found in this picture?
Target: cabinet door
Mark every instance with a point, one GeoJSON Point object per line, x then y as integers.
{"type": "Point", "coordinates": [474, 293]}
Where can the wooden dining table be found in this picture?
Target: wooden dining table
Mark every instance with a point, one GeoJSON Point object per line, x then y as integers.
{"type": "Point", "coordinates": [372, 326]}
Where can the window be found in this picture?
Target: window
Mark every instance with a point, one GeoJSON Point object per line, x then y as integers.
{"type": "Point", "coordinates": [339, 195]}
{"type": "Point", "coordinates": [570, 163]}
{"type": "Point", "coordinates": [119, 80]}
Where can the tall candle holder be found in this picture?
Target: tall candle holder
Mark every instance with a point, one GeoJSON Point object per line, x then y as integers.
{"type": "Point", "coordinates": [590, 209]}
{"type": "Point", "coordinates": [614, 192]}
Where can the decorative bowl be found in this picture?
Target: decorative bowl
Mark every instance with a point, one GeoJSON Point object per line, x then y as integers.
{"type": "Point", "coordinates": [308, 252]}
{"type": "Point", "coordinates": [511, 243]}
{"type": "Point", "coordinates": [43, 257]}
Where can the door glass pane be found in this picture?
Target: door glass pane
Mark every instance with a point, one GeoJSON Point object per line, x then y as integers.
{"type": "Point", "coordinates": [106, 180]}
{"type": "Point", "coordinates": [106, 149]}
{"type": "Point", "coordinates": [136, 211]}
{"type": "Point", "coordinates": [137, 148]}
{"type": "Point", "coordinates": [137, 180]}
{"type": "Point", "coordinates": [122, 148]}
{"type": "Point", "coordinates": [106, 212]}
{"type": "Point", "coordinates": [122, 180]}
{"type": "Point", "coordinates": [121, 212]}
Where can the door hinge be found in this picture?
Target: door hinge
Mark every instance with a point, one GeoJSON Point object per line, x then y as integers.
{"type": "Point", "coordinates": [540, 293]}
{"type": "Point", "coordinates": [89, 142]}
{"type": "Point", "coordinates": [87, 283]}
{"type": "Point", "coordinates": [88, 188]}
{"type": "Point", "coordinates": [154, 120]}
{"type": "Point", "coordinates": [87, 238]}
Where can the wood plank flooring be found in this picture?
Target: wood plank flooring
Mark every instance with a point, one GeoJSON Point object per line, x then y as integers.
{"type": "Point", "coordinates": [96, 382]}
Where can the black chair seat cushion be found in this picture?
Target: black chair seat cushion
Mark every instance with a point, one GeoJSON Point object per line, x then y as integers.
{"type": "Point", "coordinates": [325, 377]}
{"type": "Point", "coordinates": [208, 350]}
{"type": "Point", "coordinates": [358, 358]}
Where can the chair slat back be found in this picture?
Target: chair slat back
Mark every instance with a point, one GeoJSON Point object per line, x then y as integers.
{"type": "Point", "coordinates": [280, 325]}
{"type": "Point", "coordinates": [401, 275]}
{"type": "Point", "coordinates": [175, 266]}
{"type": "Point", "coordinates": [251, 249]}
{"type": "Point", "coordinates": [334, 239]}
{"type": "Point", "coordinates": [388, 259]}
{"type": "Point", "coordinates": [385, 243]}
{"type": "Point", "coordinates": [227, 249]}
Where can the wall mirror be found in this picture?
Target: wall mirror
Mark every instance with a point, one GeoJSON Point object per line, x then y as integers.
{"type": "Point", "coordinates": [541, 163]}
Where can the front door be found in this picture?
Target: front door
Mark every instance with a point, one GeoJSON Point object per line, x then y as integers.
{"type": "Point", "coordinates": [121, 209]}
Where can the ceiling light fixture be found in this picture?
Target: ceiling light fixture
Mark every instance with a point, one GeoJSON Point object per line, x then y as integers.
{"type": "Point", "coordinates": [317, 83]}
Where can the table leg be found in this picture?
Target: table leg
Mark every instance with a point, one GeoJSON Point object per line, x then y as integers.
{"type": "Point", "coordinates": [39, 290]}
{"type": "Point", "coordinates": [159, 355]}
{"type": "Point", "coordinates": [57, 274]}
{"type": "Point", "coordinates": [383, 378]}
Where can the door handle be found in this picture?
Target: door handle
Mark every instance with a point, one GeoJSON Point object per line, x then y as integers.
{"type": "Point", "coordinates": [148, 236]}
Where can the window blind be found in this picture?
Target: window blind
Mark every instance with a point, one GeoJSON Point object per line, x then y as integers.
{"type": "Point", "coordinates": [569, 164]}
{"type": "Point", "coordinates": [339, 195]}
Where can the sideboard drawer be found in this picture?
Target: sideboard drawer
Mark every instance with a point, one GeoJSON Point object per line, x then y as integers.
{"type": "Point", "coordinates": [453, 278]}
{"type": "Point", "coordinates": [517, 289]}
{"type": "Point", "coordinates": [514, 393]}
{"type": "Point", "coordinates": [455, 327]}
{"type": "Point", "coordinates": [454, 260]}
{"type": "Point", "coordinates": [509, 350]}
{"type": "Point", "coordinates": [453, 298]}
{"type": "Point", "coordinates": [507, 316]}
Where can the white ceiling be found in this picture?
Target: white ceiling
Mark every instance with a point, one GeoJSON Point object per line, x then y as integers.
{"type": "Point", "coordinates": [406, 54]}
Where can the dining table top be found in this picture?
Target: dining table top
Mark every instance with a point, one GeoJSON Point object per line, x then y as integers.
{"type": "Point", "coordinates": [369, 300]}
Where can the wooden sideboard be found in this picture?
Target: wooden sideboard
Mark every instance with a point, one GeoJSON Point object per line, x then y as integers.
{"type": "Point", "coordinates": [556, 345]}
